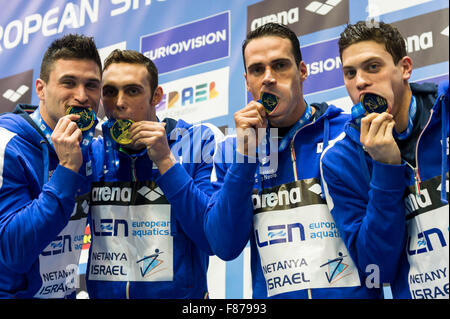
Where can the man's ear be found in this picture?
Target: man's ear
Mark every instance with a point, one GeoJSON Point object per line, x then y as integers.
{"type": "Point", "coordinates": [406, 65]}
{"type": "Point", "coordinates": [40, 89]}
{"type": "Point", "coordinates": [303, 71]}
{"type": "Point", "coordinates": [246, 81]}
{"type": "Point", "coordinates": [157, 96]}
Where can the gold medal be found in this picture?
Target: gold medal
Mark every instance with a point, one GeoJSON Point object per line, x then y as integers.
{"type": "Point", "coordinates": [269, 101]}
{"type": "Point", "coordinates": [86, 116]}
{"type": "Point", "coordinates": [373, 103]}
{"type": "Point", "coordinates": [119, 131]}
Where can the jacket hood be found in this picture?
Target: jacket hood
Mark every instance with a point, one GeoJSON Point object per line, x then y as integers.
{"type": "Point", "coordinates": [327, 110]}
{"type": "Point", "coordinates": [324, 112]}
{"type": "Point", "coordinates": [423, 88]}
{"type": "Point", "coordinates": [20, 122]}
{"type": "Point", "coordinates": [172, 126]}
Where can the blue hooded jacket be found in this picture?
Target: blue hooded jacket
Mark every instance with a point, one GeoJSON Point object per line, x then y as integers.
{"type": "Point", "coordinates": [278, 206]}
{"type": "Point", "coordinates": [396, 216]}
{"type": "Point", "coordinates": [148, 240]}
{"type": "Point", "coordinates": [41, 233]}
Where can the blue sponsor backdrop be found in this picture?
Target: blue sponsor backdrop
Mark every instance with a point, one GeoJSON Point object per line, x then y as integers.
{"type": "Point", "coordinates": [188, 45]}
{"type": "Point", "coordinates": [189, 38]}
{"type": "Point", "coordinates": [324, 66]}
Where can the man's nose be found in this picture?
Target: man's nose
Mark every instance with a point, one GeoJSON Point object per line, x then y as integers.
{"type": "Point", "coordinates": [268, 79]}
{"type": "Point", "coordinates": [120, 102]}
{"type": "Point", "coordinates": [362, 80]}
{"type": "Point", "coordinates": [81, 95]}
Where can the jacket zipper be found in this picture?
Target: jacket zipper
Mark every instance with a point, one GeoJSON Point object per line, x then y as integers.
{"type": "Point", "coordinates": [133, 169]}
{"type": "Point", "coordinates": [133, 179]}
{"type": "Point", "coordinates": [417, 179]}
{"type": "Point", "coordinates": [294, 163]}
{"type": "Point", "coordinates": [293, 156]}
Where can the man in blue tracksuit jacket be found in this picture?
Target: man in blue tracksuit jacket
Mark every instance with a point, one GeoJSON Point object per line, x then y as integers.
{"type": "Point", "coordinates": [273, 196]}
{"type": "Point", "coordinates": [386, 179]}
{"type": "Point", "coordinates": [46, 164]}
{"type": "Point", "coordinates": [147, 211]}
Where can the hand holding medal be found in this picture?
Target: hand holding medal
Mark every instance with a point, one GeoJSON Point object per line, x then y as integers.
{"type": "Point", "coordinates": [369, 103]}
{"type": "Point", "coordinates": [86, 120]}
{"type": "Point", "coordinates": [67, 139]}
{"type": "Point", "coordinates": [377, 126]}
{"type": "Point", "coordinates": [86, 123]}
{"type": "Point", "coordinates": [149, 135]}
{"type": "Point", "coordinates": [120, 131]}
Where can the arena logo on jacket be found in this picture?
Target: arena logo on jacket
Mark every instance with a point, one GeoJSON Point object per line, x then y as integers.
{"type": "Point", "coordinates": [427, 245]}
{"type": "Point", "coordinates": [131, 233]}
{"type": "Point", "coordinates": [59, 260]}
{"type": "Point", "coordinates": [298, 241]}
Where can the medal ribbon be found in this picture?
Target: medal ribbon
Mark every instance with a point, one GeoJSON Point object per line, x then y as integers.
{"type": "Point", "coordinates": [46, 130]}
{"type": "Point", "coordinates": [289, 137]}
{"type": "Point", "coordinates": [267, 145]}
{"type": "Point", "coordinates": [411, 115]}
{"type": "Point", "coordinates": [88, 135]}
{"type": "Point", "coordinates": [111, 158]}
{"type": "Point", "coordinates": [306, 117]}
{"type": "Point", "coordinates": [293, 158]}
{"type": "Point", "coordinates": [112, 148]}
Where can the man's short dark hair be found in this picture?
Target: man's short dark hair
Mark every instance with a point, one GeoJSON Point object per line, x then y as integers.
{"type": "Point", "coordinates": [277, 30]}
{"type": "Point", "coordinates": [69, 47]}
{"type": "Point", "coordinates": [134, 57]}
{"type": "Point", "coordinates": [379, 32]}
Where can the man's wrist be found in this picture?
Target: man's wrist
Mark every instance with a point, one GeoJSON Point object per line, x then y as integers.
{"type": "Point", "coordinates": [165, 163]}
{"type": "Point", "coordinates": [73, 167]}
